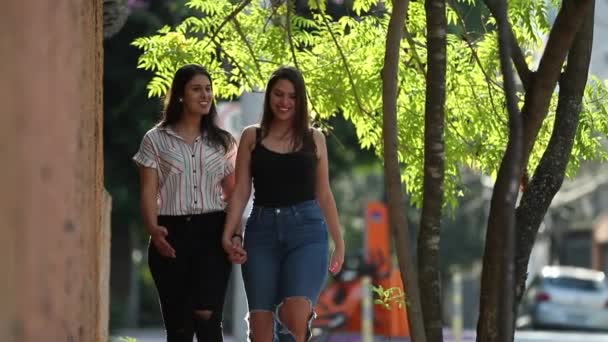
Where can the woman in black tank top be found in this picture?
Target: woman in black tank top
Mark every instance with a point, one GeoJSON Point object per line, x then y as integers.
{"type": "Point", "coordinates": [284, 249]}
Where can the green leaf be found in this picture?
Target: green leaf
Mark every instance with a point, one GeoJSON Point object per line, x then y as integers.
{"type": "Point", "coordinates": [342, 61]}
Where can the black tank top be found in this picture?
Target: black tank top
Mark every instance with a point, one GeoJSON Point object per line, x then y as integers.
{"type": "Point", "coordinates": [283, 179]}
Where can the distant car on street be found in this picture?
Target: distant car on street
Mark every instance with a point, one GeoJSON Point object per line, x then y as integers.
{"type": "Point", "coordinates": [565, 297]}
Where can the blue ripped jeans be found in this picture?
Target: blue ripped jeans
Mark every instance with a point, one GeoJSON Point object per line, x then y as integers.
{"type": "Point", "coordinates": [287, 256]}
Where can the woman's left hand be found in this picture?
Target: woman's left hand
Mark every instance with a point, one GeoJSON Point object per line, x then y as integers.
{"type": "Point", "coordinates": [337, 259]}
{"type": "Point", "coordinates": [233, 246]}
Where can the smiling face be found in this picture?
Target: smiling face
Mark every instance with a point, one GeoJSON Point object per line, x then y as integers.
{"type": "Point", "coordinates": [283, 100]}
{"type": "Point", "coordinates": [198, 95]}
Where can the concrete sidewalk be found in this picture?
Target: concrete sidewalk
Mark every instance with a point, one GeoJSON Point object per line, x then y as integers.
{"type": "Point", "coordinates": [148, 335]}
{"type": "Point", "coordinates": [157, 335]}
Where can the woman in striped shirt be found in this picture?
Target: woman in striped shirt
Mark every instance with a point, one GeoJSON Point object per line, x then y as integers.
{"type": "Point", "coordinates": [186, 165]}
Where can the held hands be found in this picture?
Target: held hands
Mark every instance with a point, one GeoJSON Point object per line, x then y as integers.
{"type": "Point", "coordinates": [233, 246]}
{"type": "Point", "coordinates": [337, 259]}
{"type": "Point", "coordinates": [158, 236]}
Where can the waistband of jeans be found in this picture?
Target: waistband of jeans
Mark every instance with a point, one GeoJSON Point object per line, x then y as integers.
{"type": "Point", "coordinates": [192, 216]}
{"type": "Point", "coordinates": [297, 205]}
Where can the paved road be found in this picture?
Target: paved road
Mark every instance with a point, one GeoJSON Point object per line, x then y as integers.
{"type": "Point", "coordinates": [559, 336]}
{"type": "Point", "coordinates": [155, 335]}
{"type": "Point", "coordinates": [520, 336]}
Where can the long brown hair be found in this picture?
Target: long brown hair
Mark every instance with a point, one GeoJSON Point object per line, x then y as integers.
{"type": "Point", "coordinates": [174, 109]}
{"type": "Point", "coordinates": [301, 123]}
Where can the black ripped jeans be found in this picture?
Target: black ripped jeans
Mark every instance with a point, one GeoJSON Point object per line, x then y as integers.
{"type": "Point", "coordinates": [196, 280]}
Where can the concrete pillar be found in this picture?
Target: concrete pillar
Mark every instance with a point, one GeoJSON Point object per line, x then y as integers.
{"type": "Point", "coordinates": [53, 250]}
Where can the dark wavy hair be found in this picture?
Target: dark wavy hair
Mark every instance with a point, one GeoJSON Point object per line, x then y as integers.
{"type": "Point", "coordinates": [302, 135]}
{"type": "Point", "coordinates": [174, 109]}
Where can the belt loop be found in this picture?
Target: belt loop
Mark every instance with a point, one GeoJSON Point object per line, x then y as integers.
{"type": "Point", "coordinates": [294, 210]}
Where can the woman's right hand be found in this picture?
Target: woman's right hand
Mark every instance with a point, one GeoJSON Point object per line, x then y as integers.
{"type": "Point", "coordinates": [233, 246]}
{"type": "Point", "coordinates": [158, 235]}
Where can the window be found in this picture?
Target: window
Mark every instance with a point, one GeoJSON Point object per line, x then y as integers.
{"type": "Point", "coordinates": [575, 283]}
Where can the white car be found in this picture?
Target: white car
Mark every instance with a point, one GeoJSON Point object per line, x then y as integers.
{"type": "Point", "coordinates": [565, 297]}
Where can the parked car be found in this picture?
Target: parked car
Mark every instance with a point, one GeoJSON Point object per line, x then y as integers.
{"type": "Point", "coordinates": [565, 297]}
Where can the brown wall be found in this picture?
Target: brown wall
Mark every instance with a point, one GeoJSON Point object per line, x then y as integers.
{"type": "Point", "coordinates": [53, 249]}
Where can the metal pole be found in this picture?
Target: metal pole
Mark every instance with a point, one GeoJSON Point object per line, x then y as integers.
{"type": "Point", "coordinates": [367, 312]}
{"type": "Point", "coordinates": [457, 306]}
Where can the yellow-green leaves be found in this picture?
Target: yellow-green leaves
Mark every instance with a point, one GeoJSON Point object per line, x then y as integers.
{"type": "Point", "coordinates": [389, 298]}
{"type": "Point", "coordinates": [342, 61]}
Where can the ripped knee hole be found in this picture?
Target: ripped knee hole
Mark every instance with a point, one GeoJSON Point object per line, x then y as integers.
{"type": "Point", "coordinates": [203, 314]}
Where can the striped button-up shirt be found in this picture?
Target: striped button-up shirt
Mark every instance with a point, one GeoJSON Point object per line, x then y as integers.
{"type": "Point", "coordinates": [189, 177]}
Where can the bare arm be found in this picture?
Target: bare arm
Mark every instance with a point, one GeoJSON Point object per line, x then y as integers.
{"type": "Point", "coordinates": [240, 195]}
{"type": "Point", "coordinates": [148, 191]}
{"type": "Point", "coordinates": [327, 202]}
{"type": "Point", "coordinates": [149, 211]}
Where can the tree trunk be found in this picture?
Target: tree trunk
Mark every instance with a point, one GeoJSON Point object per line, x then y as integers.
{"type": "Point", "coordinates": [394, 188]}
{"type": "Point", "coordinates": [434, 170]}
{"type": "Point", "coordinates": [550, 173]}
{"type": "Point", "coordinates": [496, 323]}
{"type": "Point", "coordinates": [537, 98]}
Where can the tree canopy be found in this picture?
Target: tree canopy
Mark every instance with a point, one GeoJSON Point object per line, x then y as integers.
{"type": "Point", "coordinates": [241, 43]}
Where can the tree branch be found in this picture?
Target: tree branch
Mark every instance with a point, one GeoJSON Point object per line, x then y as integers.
{"type": "Point", "coordinates": [467, 39]}
{"type": "Point", "coordinates": [293, 52]}
{"type": "Point", "coordinates": [534, 111]}
{"type": "Point", "coordinates": [345, 62]}
{"type": "Point", "coordinates": [290, 35]}
{"type": "Point", "coordinates": [234, 62]}
{"type": "Point", "coordinates": [231, 16]}
{"type": "Point", "coordinates": [412, 43]}
{"type": "Point", "coordinates": [239, 30]}
{"type": "Point", "coordinates": [517, 55]}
